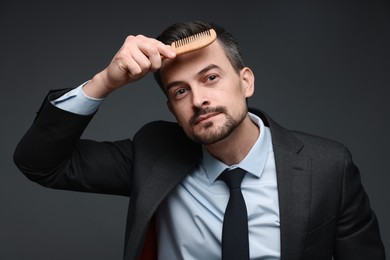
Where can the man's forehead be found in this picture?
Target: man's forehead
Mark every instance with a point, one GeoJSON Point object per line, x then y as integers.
{"type": "Point", "coordinates": [193, 63]}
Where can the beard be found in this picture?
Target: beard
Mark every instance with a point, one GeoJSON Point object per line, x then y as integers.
{"type": "Point", "coordinates": [210, 133]}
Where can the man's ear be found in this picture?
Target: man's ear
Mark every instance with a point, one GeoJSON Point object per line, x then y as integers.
{"type": "Point", "coordinates": [247, 81]}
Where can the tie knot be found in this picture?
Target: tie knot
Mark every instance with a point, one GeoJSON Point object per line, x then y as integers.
{"type": "Point", "coordinates": [233, 177]}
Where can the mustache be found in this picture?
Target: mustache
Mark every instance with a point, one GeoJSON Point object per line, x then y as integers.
{"type": "Point", "coordinates": [203, 111]}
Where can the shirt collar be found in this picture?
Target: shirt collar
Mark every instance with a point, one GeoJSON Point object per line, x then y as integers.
{"type": "Point", "coordinates": [253, 162]}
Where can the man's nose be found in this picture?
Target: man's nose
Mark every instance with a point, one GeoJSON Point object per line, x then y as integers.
{"type": "Point", "coordinates": [199, 98]}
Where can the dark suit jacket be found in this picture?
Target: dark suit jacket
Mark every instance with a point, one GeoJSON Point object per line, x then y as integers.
{"type": "Point", "coordinates": [324, 209]}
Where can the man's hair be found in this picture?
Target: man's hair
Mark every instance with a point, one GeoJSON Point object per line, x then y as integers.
{"type": "Point", "coordinates": [181, 30]}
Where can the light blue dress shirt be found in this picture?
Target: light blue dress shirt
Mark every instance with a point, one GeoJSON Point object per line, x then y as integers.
{"type": "Point", "coordinates": [76, 101]}
{"type": "Point", "coordinates": [189, 222]}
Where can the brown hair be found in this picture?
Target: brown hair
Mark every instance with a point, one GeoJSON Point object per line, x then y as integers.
{"type": "Point", "coordinates": [181, 30]}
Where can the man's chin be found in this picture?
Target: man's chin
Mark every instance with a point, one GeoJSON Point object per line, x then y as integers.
{"type": "Point", "coordinates": [211, 136]}
{"type": "Point", "coordinates": [209, 132]}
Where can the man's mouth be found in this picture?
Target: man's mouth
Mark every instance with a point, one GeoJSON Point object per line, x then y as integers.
{"type": "Point", "coordinates": [205, 117]}
{"type": "Point", "coordinates": [206, 113]}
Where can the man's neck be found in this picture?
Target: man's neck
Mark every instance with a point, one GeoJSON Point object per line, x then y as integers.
{"type": "Point", "coordinates": [237, 145]}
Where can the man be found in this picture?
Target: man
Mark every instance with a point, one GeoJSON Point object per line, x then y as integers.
{"type": "Point", "coordinates": [303, 197]}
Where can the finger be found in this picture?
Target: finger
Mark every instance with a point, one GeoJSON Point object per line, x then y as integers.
{"type": "Point", "coordinates": [142, 60]}
{"type": "Point", "coordinates": [133, 63]}
{"type": "Point", "coordinates": [163, 49]}
{"type": "Point", "coordinates": [155, 51]}
{"type": "Point", "coordinates": [126, 62]}
{"type": "Point", "coordinates": [152, 53]}
{"type": "Point", "coordinates": [138, 49]}
{"type": "Point", "coordinates": [134, 69]}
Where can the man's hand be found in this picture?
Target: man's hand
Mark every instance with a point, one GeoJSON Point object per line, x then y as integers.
{"type": "Point", "coordinates": [137, 56]}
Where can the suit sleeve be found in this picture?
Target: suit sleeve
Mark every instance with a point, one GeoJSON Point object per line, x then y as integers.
{"type": "Point", "coordinates": [357, 234]}
{"type": "Point", "coordinates": [52, 154]}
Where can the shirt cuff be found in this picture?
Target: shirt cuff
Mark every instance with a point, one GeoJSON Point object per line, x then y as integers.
{"type": "Point", "coordinates": [76, 101]}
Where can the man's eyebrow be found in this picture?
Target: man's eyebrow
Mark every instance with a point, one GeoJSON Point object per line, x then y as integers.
{"type": "Point", "coordinates": [209, 67]}
{"type": "Point", "coordinates": [202, 71]}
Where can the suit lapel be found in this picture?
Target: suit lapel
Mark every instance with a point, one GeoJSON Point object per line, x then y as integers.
{"type": "Point", "coordinates": [168, 171]}
{"type": "Point", "coordinates": [294, 179]}
{"type": "Point", "coordinates": [294, 182]}
{"type": "Point", "coordinates": [174, 163]}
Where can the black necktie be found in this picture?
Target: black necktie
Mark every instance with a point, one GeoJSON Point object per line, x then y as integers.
{"type": "Point", "coordinates": [235, 242]}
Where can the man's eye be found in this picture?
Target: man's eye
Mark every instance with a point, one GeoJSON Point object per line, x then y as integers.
{"type": "Point", "coordinates": [180, 92]}
{"type": "Point", "coordinates": [212, 77]}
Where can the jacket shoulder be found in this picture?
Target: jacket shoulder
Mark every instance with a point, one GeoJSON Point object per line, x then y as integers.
{"type": "Point", "coordinates": [165, 137]}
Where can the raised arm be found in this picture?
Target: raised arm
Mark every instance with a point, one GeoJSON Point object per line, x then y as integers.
{"type": "Point", "coordinates": [51, 152]}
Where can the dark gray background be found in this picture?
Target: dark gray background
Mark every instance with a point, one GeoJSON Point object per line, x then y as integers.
{"type": "Point", "coordinates": [321, 67]}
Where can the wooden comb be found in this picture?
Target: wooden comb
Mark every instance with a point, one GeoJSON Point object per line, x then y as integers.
{"type": "Point", "coordinates": [194, 42]}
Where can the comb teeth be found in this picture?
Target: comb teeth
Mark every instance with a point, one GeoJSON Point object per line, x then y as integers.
{"type": "Point", "coordinates": [192, 38]}
{"type": "Point", "coordinates": [194, 42]}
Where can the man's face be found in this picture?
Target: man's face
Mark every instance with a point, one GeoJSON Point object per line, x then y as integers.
{"type": "Point", "coordinates": [205, 94]}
